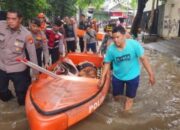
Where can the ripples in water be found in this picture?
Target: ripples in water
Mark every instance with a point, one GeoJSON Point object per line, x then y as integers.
{"type": "Point", "coordinates": [155, 108]}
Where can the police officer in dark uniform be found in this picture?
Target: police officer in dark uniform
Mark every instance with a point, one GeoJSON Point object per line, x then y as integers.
{"type": "Point", "coordinates": [14, 39]}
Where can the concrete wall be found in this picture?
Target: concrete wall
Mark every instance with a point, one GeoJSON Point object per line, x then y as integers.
{"type": "Point", "coordinates": [171, 19]}
{"type": "Point", "coordinates": [168, 24]}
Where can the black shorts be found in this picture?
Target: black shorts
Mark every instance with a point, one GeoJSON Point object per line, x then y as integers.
{"type": "Point", "coordinates": [131, 87]}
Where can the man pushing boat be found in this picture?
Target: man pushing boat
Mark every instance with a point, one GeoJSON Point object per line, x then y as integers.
{"type": "Point", "coordinates": [125, 55]}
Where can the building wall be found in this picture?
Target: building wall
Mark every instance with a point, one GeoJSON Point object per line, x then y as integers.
{"type": "Point", "coordinates": [171, 19]}
{"type": "Point", "coordinates": [168, 18]}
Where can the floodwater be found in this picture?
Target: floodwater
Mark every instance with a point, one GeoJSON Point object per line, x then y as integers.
{"type": "Point", "coordinates": [155, 108]}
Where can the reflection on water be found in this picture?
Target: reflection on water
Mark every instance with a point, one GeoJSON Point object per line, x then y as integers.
{"type": "Point", "coordinates": [155, 108]}
{"type": "Point", "coordinates": [12, 116]}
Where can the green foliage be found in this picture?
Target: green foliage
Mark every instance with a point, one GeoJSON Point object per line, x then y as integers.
{"type": "Point", "coordinates": [62, 8]}
{"type": "Point", "coordinates": [134, 4]}
{"type": "Point", "coordinates": [29, 8]}
{"type": "Point", "coordinates": [85, 3]}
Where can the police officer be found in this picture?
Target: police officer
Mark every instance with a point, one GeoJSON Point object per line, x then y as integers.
{"type": "Point", "coordinates": [40, 42]}
{"type": "Point", "coordinates": [14, 39]}
{"type": "Point", "coordinates": [90, 41]}
{"type": "Point", "coordinates": [42, 19]}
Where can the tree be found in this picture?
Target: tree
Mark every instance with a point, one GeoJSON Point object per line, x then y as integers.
{"type": "Point", "coordinates": [133, 4]}
{"type": "Point", "coordinates": [138, 17]}
{"type": "Point", "coordinates": [82, 4]}
{"type": "Point", "coordinates": [62, 8]}
{"type": "Point", "coordinates": [151, 16]}
{"type": "Point", "coordinates": [85, 3]}
{"type": "Point", "coordinates": [29, 8]}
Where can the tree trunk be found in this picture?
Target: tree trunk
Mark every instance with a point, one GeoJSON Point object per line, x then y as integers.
{"type": "Point", "coordinates": [138, 17]}
{"type": "Point", "coordinates": [151, 17]}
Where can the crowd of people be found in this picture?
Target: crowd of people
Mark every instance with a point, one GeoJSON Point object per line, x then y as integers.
{"type": "Point", "coordinates": [44, 44]}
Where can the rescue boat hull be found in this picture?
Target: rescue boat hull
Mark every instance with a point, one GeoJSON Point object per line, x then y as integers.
{"type": "Point", "coordinates": [57, 104]}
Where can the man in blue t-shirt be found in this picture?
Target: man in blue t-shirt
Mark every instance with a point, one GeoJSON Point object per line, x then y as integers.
{"type": "Point", "coordinates": [125, 56]}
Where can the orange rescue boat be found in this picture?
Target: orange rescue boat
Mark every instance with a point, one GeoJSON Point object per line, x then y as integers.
{"type": "Point", "coordinates": [58, 103]}
{"type": "Point", "coordinates": [99, 35]}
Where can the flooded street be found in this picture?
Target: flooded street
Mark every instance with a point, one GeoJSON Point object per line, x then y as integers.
{"type": "Point", "coordinates": [12, 116]}
{"type": "Point", "coordinates": [155, 108]}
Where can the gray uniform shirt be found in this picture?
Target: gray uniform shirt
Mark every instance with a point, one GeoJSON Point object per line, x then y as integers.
{"type": "Point", "coordinates": [40, 41]}
{"type": "Point", "coordinates": [13, 45]}
{"type": "Point", "coordinates": [90, 37]}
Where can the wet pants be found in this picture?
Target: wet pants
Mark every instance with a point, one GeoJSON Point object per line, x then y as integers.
{"type": "Point", "coordinates": [21, 83]}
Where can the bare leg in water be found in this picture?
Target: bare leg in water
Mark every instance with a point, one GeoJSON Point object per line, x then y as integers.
{"type": "Point", "coordinates": [128, 103]}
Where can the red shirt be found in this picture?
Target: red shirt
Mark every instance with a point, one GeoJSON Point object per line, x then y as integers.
{"type": "Point", "coordinates": [53, 38]}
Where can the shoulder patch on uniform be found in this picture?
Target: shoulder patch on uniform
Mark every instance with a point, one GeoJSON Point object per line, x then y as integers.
{"type": "Point", "coordinates": [29, 39]}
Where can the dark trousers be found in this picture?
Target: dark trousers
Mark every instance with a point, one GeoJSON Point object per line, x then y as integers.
{"type": "Point", "coordinates": [71, 46]}
{"type": "Point", "coordinates": [81, 44]}
{"type": "Point", "coordinates": [39, 54]}
{"type": "Point", "coordinates": [54, 54]}
{"type": "Point", "coordinates": [92, 46]}
{"type": "Point", "coordinates": [21, 83]}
